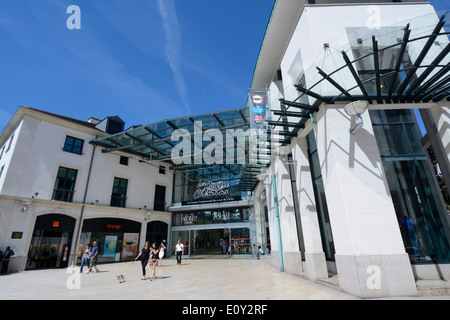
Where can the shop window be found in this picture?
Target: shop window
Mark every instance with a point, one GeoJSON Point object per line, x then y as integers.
{"type": "Point", "coordinates": [65, 184]}
{"type": "Point", "coordinates": [119, 192]}
{"type": "Point", "coordinates": [117, 239]}
{"type": "Point", "coordinates": [73, 145]}
{"type": "Point", "coordinates": [51, 242]}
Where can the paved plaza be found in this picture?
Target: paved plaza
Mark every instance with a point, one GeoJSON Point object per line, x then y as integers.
{"type": "Point", "coordinates": [195, 279]}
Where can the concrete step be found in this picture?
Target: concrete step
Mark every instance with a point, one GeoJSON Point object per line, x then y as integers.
{"type": "Point", "coordinates": [433, 287]}
{"type": "Point", "coordinates": [332, 282]}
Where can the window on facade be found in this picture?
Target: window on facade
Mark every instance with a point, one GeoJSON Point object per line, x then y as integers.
{"type": "Point", "coordinates": [123, 160]}
{"type": "Point", "coordinates": [73, 145]}
{"type": "Point", "coordinates": [1, 152]}
{"type": "Point", "coordinates": [65, 184]}
{"type": "Point", "coordinates": [1, 171]}
{"type": "Point", "coordinates": [162, 169]}
{"type": "Point", "coordinates": [160, 198]}
{"type": "Point", "coordinates": [119, 192]}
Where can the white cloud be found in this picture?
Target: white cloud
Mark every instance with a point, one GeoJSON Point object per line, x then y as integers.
{"type": "Point", "coordinates": [173, 47]}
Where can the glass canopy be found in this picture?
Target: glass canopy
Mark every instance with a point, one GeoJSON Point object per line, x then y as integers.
{"type": "Point", "coordinates": [156, 142]}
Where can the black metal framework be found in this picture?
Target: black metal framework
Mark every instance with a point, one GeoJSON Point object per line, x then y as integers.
{"type": "Point", "coordinates": [154, 142]}
{"type": "Point", "coordinates": [407, 80]}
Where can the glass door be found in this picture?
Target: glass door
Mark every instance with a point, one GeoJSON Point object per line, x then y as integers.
{"type": "Point", "coordinates": [240, 241]}
{"type": "Point", "coordinates": [49, 249]}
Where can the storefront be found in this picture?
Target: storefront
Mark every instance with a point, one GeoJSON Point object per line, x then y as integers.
{"type": "Point", "coordinates": [51, 242]}
{"type": "Point", "coordinates": [117, 239]}
{"type": "Point", "coordinates": [213, 232]}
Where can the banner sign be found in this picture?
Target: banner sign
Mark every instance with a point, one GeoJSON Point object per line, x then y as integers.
{"type": "Point", "coordinates": [211, 192]}
{"type": "Point", "coordinates": [258, 108]}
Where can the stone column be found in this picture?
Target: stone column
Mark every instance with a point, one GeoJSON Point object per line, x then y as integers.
{"type": "Point", "coordinates": [370, 258]}
{"type": "Point", "coordinates": [291, 250]}
{"type": "Point", "coordinates": [316, 267]}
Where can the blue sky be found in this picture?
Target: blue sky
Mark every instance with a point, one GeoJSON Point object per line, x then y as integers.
{"type": "Point", "coordinates": [144, 60]}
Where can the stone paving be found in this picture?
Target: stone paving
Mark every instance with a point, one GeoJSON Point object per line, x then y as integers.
{"type": "Point", "coordinates": [195, 279]}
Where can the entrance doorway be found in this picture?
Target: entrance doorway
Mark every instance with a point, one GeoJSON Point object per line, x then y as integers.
{"type": "Point", "coordinates": [210, 242]}
{"type": "Point", "coordinates": [51, 242]}
{"type": "Point", "coordinates": [157, 233]}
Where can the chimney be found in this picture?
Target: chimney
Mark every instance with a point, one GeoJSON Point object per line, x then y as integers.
{"type": "Point", "coordinates": [93, 120]}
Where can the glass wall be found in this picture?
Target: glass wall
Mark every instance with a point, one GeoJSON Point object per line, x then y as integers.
{"type": "Point", "coordinates": [240, 241]}
{"type": "Point", "coordinates": [420, 214]}
{"type": "Point", "coordinates": [183, 236]}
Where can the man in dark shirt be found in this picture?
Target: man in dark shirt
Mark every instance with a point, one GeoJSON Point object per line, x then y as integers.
{"type": "Point", "coordinates": [6, 256]}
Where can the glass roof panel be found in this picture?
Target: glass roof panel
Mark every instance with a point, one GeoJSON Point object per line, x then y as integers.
{"type": "Point", "coordinates": [153, 142]}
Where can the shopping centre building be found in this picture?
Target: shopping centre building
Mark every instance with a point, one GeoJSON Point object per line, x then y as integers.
{"type": "Point", "coordinates": [319, 169]}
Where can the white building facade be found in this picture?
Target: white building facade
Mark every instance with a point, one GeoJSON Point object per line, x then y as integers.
{"type": "Point", "coordinates": [333, 201]}
{"type": "Point", "coordinates": [58, 193]}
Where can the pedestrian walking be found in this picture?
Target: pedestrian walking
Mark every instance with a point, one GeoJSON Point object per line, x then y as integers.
{"type": "Point", "coordinates": [153, 260]}
{"type": "Point", "coordinates": [93, 257]}
{"type": "Point", "coordinates": [162, 247]}
{"type": "Point", "coordinates": [5, 262]}
{"type": "Point", "coordinates": [144, 256]}
{"type": "Point", "coordinates": [85, 258]}
{"type": "Point", "coordinates": [179, 249]}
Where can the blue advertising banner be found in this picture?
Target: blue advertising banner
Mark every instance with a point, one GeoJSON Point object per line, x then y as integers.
{"type": "Point", "coordinates": [258, 108]}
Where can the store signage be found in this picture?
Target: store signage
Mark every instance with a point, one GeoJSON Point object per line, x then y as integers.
{"type": "Point", "coordinates": [225, 199]}
{"type": "Point", "coordinates": [226, 216]}
{"type": "Point", "coordinates": [55, 224]}
{"type": "Point", "coordinates": [17, 235]}
{"type": "Point", "coordinates": [190, 218]}
{"type": "Point", "coordinates": [216, 217]}
{"type": "Point", "coordinates": [211, 190]}
{"type": "Point", "coordinates": [113, 226]}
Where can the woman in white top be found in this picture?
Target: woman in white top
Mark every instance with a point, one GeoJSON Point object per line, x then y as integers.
{"type": "Point", "coordinates": [162, 247]}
